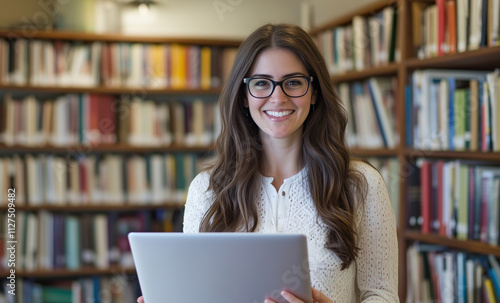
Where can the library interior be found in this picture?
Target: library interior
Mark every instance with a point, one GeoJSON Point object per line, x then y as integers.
{"type": "Point", "coordinates": [110, 108]}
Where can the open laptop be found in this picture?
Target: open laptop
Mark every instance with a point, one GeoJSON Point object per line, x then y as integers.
{"type": "Point", "coordinates": [220, 267]}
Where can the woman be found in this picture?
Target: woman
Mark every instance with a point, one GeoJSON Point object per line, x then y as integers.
{"type": "Point", "coordinates": [283, 166]}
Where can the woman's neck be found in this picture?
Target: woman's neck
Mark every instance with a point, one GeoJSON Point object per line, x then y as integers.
{"type": "Point", "coordinates": [281, 159]}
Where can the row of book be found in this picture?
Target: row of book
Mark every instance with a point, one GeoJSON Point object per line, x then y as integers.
{"type": "Point", "coordinates": [109, 64]}
{"type": "Point", "coordinates": [451, 26]}
{"type": "Point", "coordinates": [117, 288]}
{"type": "Point", "coordinates": [455, 199]}
{"type": "Point", "coordinates": [53, 240]}
{"type": "Point", "coordinates": [367, 42]}
{"type": "Point", "coordinates": [96, 179]}
{"type": "Point", "coordinates": [454, 110]}
{"type": "Point", "coordinates": [372, 112]}
{"type": "Point", "coordinates": [93, 119]}
{"type": "Point", "coordinates": [389, 169]}
{"type": "Point", "coordinates": [437, 274]}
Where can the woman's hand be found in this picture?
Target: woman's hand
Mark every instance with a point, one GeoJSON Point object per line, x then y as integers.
{"type": "Point", "coordinates": [140, 300]}
{"type": "Point", "coordinates": [318, 297]}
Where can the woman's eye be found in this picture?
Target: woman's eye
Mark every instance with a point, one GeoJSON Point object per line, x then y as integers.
{"type": "Point", "coordinates": [261, 84]}
{"type": "Point", "coordinates": [293, 83]}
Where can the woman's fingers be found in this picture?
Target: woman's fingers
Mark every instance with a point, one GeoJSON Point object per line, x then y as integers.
{"type": "Point", "coordinates": [319, 297]}
{"type": "Point", "coordinates": [140, 300]}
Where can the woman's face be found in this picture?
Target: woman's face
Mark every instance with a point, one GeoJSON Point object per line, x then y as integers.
{"type": "Point", "coordinates": [279, 116]}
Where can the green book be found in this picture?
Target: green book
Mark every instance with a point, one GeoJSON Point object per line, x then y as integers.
{"type": "Point", "coordinates": [56, 295]}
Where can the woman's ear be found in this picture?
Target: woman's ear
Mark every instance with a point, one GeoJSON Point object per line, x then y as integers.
{"type": "Point", "coordinates": [245, 102]}
{"type": "Point", "coordinates": [313, 98]}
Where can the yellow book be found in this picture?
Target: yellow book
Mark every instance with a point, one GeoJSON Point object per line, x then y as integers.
{"type": "Point", "coordinates": [179, 80]}
{"type": "Point", "coordinates": [498, 102]}
{"type": "Point", "coordinates": [157, 64]}
{"type": "Point", "coordinates": [205, 67]}
{"type": "Point", "coordinates": [490, 294]}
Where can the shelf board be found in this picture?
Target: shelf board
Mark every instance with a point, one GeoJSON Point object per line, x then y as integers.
{"type": "Point", "coordinates": [115, 37]}
{"type": "Point", "coordinates": [102, 207]}
{"type": "Point", "coordinates": [133, 91]}
{"type": "Point", "coordinates": [465, 155]}
{"type": "Point", "coordinates": [60, 273]}
{"type": "Point", "coordinates": [383, 70]}
{"type": "Point", "coordinates": [484, 58]}
{"type": "Point", "coordinates": [468, 246]}
{"type": "Point", "coordinates": [84, 149]}
{"type": "Point", "coordinates": [363, 152]}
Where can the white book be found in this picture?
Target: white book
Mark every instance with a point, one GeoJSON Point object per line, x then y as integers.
{"type": "Point", "coordinates": [31, 181]}
{"type": "Point", "coordinates": [4, 175]}
{"type": "Point", "coordinates": [157, 178]}
{"type": "Point", "coordinates": [444, 123]}
{"type": "Point", "coordinates": [360, 44]}
{"type": "Point", "coordinates": [495, 22]}
{"type": "Point", "coordinates": [35, 52]}
{"type": "Point", "coordinates": [31, 242]}
{"type": "Point", "coordinates": [135, 134]}
{"type": "Point", "coordinates": [388, 15]}
{"type": "Point", "coordinates": [475, 24]}
{"type": "Point", "coordinates": [59, 176]}
{"type": "Point", "coordinates": [8, 135]}
{"type": "Point", "coordinates": [492, 79]}
{"type": "Point", "coordinates": [101, 240]}
{"type": "Point", "coordinates": [49, 58]}
{"type": "Point", "coordinates": [381, 112]}
{"type": "Point", "coordinates": [374, 27]}
{"type": "Point", "coordinates": [462, 15]}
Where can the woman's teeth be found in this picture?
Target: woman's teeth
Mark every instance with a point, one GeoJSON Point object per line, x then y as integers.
{"type": "Point", "coordinates": [279, 114]}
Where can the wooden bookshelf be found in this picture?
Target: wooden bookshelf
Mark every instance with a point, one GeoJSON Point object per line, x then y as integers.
{"type": "Point", "coordinates": [99, 207]}
{"type": "Point", "coordinates": [115, 37]}
{"type": "Point", "coordinates": [126, 215]}
{"type": "Point", "coordinates": [134, 91]}
{"type": "Point", "coordinates": [475, 247]}
{"type": "Point", "coordinates": [121, 148]}
{"type": "Point", "coordinates": [485, 58]}
{"type": "Point", "coordinates": [380, 152]}
{"type": "Point", "coordinates": [64, 273]}
{"type": "Point", "coordinates": [390, 69]}
{"type": "Point", "coordinates": [466, 155]}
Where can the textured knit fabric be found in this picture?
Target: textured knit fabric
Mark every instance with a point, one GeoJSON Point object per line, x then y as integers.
{"type": "Point", "coordinates": [371, 278]}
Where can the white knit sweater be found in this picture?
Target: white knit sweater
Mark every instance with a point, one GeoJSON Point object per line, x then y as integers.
{"type": "Point", "coordinates": [374, 275]}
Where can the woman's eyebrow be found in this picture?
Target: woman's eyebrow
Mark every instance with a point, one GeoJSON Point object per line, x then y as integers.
{"type": "Point", "coordinates": [284, 76]}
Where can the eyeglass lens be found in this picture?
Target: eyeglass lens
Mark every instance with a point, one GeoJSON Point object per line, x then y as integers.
{"type": "Point", "coordinates": [293, 87]}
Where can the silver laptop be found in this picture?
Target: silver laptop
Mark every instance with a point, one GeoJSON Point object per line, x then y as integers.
{"type": "Point", "coordinates": [220, 267]}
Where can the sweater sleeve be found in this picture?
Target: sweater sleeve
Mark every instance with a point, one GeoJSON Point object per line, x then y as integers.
{"type": "Point", "coordinates": [377, 262]}
{"type": "Point", "coordinates": [197, 203]}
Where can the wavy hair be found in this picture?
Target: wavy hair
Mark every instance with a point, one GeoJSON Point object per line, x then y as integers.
{"type": "Point", "coordinates": [334, 187]}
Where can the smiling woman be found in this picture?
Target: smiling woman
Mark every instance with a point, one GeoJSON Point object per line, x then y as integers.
{"type": "Point", "coordinates": [282, 166]}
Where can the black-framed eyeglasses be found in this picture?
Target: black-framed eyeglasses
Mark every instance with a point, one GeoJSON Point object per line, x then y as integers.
{"type": "Point", "coordinates": [294, 87]}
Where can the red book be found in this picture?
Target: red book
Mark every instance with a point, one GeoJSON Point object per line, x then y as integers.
{"type": "Point", "coordinates": [452, 26]}
{"type": "Point", "coordinates": [426, 197]}
{"type": "Point", "coordinates": [441, 42]}
{"type": "Point", "coordinates": [83, 180]}
{"type": "Point", "coordinates": [440, 201]}
{"type": "Point", "coordinates": [93, 135]}
{"type": "Point", "coordinates": [107, 119]}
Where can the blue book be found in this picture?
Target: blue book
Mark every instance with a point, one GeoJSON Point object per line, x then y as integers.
{"type": "Point", "coordinates": [451, 111]}
{"type": "Point", "coordinates": [409, 121]}
{"type": "Point", "coordinates": [72, 242]}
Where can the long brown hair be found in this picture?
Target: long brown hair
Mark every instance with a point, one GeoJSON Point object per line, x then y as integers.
{"type": "Point", "coordinates": [333, 185]}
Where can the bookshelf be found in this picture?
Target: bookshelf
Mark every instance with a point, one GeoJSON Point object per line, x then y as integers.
{"type": "Point", "coordinates": [185, 88]}
{"type": "Point", "coordinates": [412, 58]}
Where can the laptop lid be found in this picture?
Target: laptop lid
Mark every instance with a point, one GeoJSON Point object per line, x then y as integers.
{"type": "Point", "coordinates": [220, 267]}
